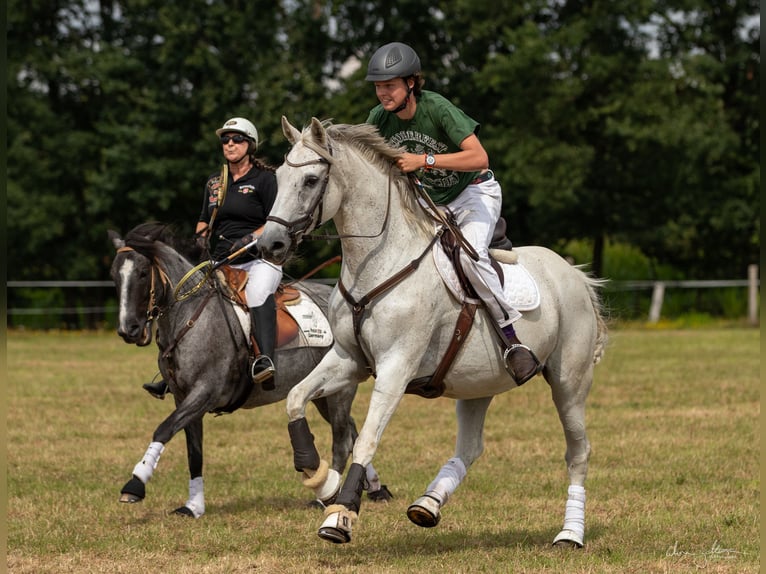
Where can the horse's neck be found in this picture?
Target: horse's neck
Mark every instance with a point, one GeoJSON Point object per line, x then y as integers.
{"type": "Point", "coordinates": [389, 239]}
{"type": "Point", "coordinates": [175, 267]}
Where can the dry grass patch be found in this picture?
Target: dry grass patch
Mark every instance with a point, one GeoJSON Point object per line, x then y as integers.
{"type": "Point", "coordinates": [673, 486]}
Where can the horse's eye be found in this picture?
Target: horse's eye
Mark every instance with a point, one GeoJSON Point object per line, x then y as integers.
{"type": "Point", "coordinates": [311, 181]}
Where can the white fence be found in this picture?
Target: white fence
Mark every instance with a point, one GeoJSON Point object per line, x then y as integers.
{"type": "Point", "coordinates": [658, 293]}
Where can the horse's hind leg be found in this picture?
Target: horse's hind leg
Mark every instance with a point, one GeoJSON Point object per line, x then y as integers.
{"type": "Point", "coordinates": [426, 510]}
{"type": "Point", "coordinates": [570, 403]}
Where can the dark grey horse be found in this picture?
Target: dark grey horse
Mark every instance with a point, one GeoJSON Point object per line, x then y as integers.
{"type": "Point", "coordinates": [204, 355]}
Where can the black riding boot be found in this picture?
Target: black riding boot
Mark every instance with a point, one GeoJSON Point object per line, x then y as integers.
{"type": "Point", "coordinates": [264, 323]}
{"type": "Point", "coordinates": [157, 389]}
{"type": "Point", "coordinates": [519, 359]}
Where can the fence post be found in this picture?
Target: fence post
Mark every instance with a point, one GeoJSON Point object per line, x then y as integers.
{"type": "Point", "coordinates": [752, 294]}
{"type": "Point", "coordinates": [658, 294]}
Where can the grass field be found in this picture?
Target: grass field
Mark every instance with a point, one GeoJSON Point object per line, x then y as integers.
{"type": "Point", "coordinates": [674, 481]}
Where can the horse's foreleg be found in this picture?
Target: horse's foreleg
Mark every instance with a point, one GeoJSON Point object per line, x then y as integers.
{"type": "Point", "coordinates": [135, 489]}
{"type": "Point", "coordinates": [195, 505]}
{"type": "Point", "coordinates": [572, 416]}
{"type": "Point", "coordinates": [331, 376]}
{"type": "Point", "coordinates": [340, 517]}
{"type": "Point", "coordinates": [191, 408]}
{"type": "Point", "coordinates": [426, 510]}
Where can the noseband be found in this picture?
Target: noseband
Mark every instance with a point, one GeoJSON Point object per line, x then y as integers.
{"type": "Point", "coordinates": [153, 310]}
{"type": "Point", "coordinates": [299, 226]}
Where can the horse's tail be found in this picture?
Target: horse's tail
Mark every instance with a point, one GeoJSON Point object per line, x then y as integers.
{"type": "Point", "coordinates": [593, 285]}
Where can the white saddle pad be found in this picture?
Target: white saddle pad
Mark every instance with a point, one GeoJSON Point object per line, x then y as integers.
{"type": "Point", "coordinates": [519, 287]}
{"type": "Point", "coordinates": [313, 323]}
{"type": "Point", "coordinates": [314, 326]}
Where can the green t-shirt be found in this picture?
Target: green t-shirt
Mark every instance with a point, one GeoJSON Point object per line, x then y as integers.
{"type": "Point", "coordinates": [437, 127]}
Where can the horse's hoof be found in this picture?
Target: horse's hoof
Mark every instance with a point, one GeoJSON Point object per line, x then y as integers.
{"type": "Point", "coordinates": [568, 539]}
{"type": "Point", "coordinates": [334, 535]}
{"type": "Point", "coordinates": [336, 528]}
{"type": "Point", "coordinates": [381, 495]}
{"type": "Point", "coordinates": [424, 512]}
{"type": "Point", "coordinates": [133, 491]}
{"type": "Point", "coordinates": [184, 511]}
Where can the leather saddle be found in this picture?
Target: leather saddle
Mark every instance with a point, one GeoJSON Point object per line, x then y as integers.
{"type": "Point", "coordinates": [431, 387]}
{"type": "Point", "coordinates": [287, 328]}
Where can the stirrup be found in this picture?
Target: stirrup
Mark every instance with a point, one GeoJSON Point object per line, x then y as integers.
{"type": "Point", "coordinates": [263, 369]}
{"type": "Point", "coordinates": [158, 389]}
{"type": "Point", "coordinates": [532, 373]}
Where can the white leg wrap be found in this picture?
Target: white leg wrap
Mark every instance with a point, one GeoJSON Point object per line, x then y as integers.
{"type": "Point", "coordinates": [574, 517]}
{"type": "Point", "coordinates": [446, 482]}
{"type": "Point", "coordinates": [196, 502]}
{"type": "Point", "coordinates": [329, 487]}
{"type": "Point", "coordinates": [144, 469]}
{"type": "Point", "coordinates": [372, 478]}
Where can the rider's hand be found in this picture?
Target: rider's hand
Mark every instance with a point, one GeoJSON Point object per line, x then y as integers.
{"type": "Point", "coordinates": [409, 162]}
{"type": "Point", "coordinates": [242, 241]}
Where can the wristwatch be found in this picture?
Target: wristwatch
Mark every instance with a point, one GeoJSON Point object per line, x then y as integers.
{"type": "Point", "coordinates": [430, 161]}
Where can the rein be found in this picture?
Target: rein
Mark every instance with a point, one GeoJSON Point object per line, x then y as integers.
{"type": "Point", "coordinates": [293, 228]}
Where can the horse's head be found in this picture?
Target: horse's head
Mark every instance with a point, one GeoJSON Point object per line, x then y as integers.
{"type": "Point", "coordinates": [131, 273]}
{"type": "Point", "coordinates": [303, 202]}
{"type": "Point", "coordinates": [142, 283]}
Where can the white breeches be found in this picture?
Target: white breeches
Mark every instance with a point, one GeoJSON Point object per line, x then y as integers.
{"type": "Point", "coordinates": [262, 280]}
{"type": "Point", "coordinates": [477, 209]}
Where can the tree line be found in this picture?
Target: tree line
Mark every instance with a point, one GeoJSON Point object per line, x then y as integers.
{"type": "Point", "coordinates": [606, 121]}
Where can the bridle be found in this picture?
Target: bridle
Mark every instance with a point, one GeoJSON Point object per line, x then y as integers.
{"type": "Point", "coordinates": [298, 227]}
{"type": "Point", "coordinates": [153, 310]}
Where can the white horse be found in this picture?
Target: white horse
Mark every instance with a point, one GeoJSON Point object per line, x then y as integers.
{"type": "Point", "coordinates": [394, 317]}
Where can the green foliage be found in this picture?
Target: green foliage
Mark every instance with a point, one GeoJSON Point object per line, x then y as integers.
{"type": "Point", "coordinates": [633, 122]}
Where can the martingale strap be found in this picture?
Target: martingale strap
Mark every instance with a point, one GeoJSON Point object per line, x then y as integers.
{"type": "Point", "coordinates": [433, 387]}
{"type": "Point", "coordinates": [358, 307]}
{"type": "Point", "coordinates": [189, 324]}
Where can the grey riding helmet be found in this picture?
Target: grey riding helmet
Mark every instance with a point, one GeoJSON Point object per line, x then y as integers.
{"type": "Point", "coordinates": [394, 60]}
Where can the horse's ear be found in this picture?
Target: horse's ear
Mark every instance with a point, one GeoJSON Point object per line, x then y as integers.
{"type": "Point", "coordinates": [317, 132]}
{"type": "Point", "coordinates": [292, 134]}
{"type": "Point", "coordinates": [115, 239]}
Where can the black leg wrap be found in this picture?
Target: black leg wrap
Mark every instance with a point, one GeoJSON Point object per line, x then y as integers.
{"type": "Point", "coordinates": [350, 494]}
{"type": "Point", "coordinates": [305, 454]}
{"type": "Point", "coordinates": [134, 487]}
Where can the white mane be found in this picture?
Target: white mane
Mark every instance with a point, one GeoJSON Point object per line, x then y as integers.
{"type": "Point", "coordinates": [367, 141]}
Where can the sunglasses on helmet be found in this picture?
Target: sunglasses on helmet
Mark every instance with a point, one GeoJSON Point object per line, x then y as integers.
{"type": "Point", "coordinates": [236, 138]}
